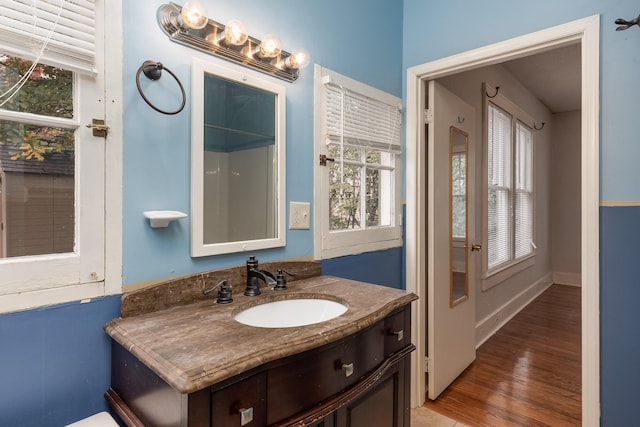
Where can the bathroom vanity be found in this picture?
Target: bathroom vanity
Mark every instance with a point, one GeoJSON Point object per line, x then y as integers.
{"type": "Point", "coordinates": [195, 365]}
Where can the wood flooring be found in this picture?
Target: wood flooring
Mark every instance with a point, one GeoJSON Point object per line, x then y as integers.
{"type": "Point", "coordinates": [528, 373]}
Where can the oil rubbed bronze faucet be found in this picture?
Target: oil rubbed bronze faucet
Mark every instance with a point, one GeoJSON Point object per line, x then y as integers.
{"type": "Point", "coordinates": [254, 275]}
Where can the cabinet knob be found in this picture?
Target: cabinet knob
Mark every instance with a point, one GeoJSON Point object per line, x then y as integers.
{"type": "Point", "coordinates": [246, 416]}
{"type": "Point", "coordinates": [399, 334]}
{"type": "Point", "coordinates": [347, 369]}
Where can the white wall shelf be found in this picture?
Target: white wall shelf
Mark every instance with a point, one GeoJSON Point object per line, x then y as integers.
{"type": "Point", "coordinates": [161, 219]}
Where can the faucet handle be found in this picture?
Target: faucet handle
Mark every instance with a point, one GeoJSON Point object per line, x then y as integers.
{"type": "Point", "coordinates": [281, 279]}
{"type": "Point", "coordinates": [224, 294]}
{"type": "Point", "coordinates": [213, 288]}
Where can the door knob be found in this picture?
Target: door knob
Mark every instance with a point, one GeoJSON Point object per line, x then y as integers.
{"type": "Point", "coordinates": [476, 248]}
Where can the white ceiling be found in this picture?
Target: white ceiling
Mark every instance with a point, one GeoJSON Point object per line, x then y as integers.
{"type": "Point", "coordinates": [553, 76]}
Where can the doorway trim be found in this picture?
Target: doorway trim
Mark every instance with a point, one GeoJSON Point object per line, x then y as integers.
{"type": "Point", "coordinates": [587, 32]}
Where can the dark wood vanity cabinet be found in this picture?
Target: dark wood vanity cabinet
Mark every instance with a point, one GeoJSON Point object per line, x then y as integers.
{"type": "Point", "coordinates": [361, 380]}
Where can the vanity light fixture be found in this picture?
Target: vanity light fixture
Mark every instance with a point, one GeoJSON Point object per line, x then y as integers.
{"type": "Point", "coordinates": [184, 25]}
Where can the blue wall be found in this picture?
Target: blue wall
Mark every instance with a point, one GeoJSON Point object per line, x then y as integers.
{"type": "Point", "coordinates": [620, 293]}
{"type": "Point", "coordinates": [381, 268]}
{"type": "Point", "coordinates": [157, 148]}
{"type": "Point", "coordinates": [55, 363]}
{"type": "Point", "coordinates": [436, 30]}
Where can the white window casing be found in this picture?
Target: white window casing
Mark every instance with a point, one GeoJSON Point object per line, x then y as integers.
{"type": "Point", "coordinates": [73, 31]}
{"type": "Point", "coordinates": [352, 121]}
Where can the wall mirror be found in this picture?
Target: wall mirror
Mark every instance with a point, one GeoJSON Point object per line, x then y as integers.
{"type": "Point", "coordinates": [237, 161]}
{"type": "Point", "coordinates": [458, 279]}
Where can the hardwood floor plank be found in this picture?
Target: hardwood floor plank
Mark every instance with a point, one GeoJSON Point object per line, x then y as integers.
{"type": "Point", "coordinates": [528, 373]}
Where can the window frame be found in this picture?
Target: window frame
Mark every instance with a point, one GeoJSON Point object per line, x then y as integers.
{"type": "Point", "coordinates": [497, 274]}
{"type": "Point", "coordinates": [94, 268]}
{"type": "Point", "coordinates": [330, 244]}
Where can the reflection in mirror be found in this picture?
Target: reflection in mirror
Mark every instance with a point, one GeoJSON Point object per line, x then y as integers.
{"type": "Point", "coordinates": [237, 161]}
{"type": "Point", "coordinates": [459, 285]}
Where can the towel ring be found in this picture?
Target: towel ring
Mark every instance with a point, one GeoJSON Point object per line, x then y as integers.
{"type": "Point", "coordinates": [153, 70]}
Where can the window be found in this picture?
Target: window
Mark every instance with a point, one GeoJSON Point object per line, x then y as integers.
{"type": "Point", "coordinates": [523, 203]}
{"type": "Point", "coordinates": [509, 186]}
{"type": "Point", "coordinates": [52, 170]}
{"type": "Point", "coordinates": [37, 161]}
{"type": "Point", "coordinates": [358, 131]}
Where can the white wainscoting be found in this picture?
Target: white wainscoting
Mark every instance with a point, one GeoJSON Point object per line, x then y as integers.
{"type": "Point", "coordinates": [570, 279]}
{"type": "Point", "coordinates": [488, 326]}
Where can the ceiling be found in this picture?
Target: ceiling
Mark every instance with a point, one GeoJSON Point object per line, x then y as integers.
{"type": "Point", "coordinates": [554, 77]}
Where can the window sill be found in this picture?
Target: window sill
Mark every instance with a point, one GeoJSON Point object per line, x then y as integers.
{"type": "Point", "coordinates": [498, 276]}
{"type": "Point", "coordinates": [29, 300]}
{"type": "Point", "coordinates": [327, 253]}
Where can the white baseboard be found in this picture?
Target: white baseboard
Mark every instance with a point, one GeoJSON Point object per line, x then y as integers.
{"type": "Point", "coordinates": [496, 320]}
{"type": "Point", "coordinates": [571, 279]}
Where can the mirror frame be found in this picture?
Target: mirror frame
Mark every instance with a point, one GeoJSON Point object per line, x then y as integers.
{"type": "Point", "coordinates": [453, 302]}
{"type": "Point", "coordinates": [198, 247]}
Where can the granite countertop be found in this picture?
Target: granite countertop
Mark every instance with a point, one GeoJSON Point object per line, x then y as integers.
{"type": "Point", "coordinates": [197, 345]}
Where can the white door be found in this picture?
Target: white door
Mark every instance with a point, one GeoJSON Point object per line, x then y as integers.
{"type": "Point", "coordinates": [451, 327]}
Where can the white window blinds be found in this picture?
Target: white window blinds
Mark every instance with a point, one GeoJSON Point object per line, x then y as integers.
{"type": "Point", "coordinates": [524, 191]}
{"type": "Point", "coordinates": [65, 27]}
{"type": "Point", "coordinates": [354, 119]}
{"type": "Point", "coordinates": [510, 202]}
{"type": "Point", "coordinates": [499, 187]}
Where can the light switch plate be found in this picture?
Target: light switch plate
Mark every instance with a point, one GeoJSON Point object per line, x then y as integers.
{"type": "Point", "coordinates": [299, 215]}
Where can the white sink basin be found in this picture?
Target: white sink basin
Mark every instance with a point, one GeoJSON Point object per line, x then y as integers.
{"type": "Point", "coordinates": [290, 313]}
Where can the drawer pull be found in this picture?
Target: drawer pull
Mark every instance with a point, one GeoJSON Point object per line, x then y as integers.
{"type": "Point", "coordinates": [399, 334]}
{"type": "Point", "coordinates": [347, 369]}
{"type": "Point", "coordinates": [246, 416]}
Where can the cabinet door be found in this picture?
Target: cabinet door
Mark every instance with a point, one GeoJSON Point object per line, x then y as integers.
{"type": "Point", "coordinates": [381, 406]}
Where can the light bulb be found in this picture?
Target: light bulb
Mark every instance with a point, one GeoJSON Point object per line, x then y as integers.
{"type": "Point", "coordinates": [270, 46]}
{"type": "Point", "coordinates": [194, 15]}
{"type": "Point", "coordinates": [298, 59]}
{"type": "Point", "coordinates": [235, 33]}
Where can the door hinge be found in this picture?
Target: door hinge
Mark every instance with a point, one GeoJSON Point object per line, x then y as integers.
{"type": "Point", "coordinates": [428, 116]}
{"type": "Point", "coordinates": [427, 368]}
{"type": "Point", "coordinates": [100, 129]}
{"type": "Point", "coordinates": [324, 159]}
